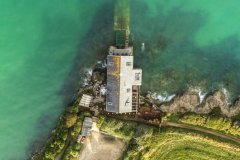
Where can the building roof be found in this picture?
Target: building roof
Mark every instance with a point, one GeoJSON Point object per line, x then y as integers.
{"type": "Point", "coordinates": [126, 83]}
{"type": "Point", "coordinates": [121, 77]}
{"type": "Point", "coordinates": [113, 83]}
{"type": "Point", "coordinates": [87, 126]}
{"type": "Point", "coordinates": [86, 100]}
{"type": "Point", "coordinates": [121, 52]}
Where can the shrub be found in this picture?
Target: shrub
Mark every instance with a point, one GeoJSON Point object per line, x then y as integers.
{"type": "Point", "coordinates": [70, 119]}
{"type": "Point", "coordinates": [100, 121]}
{"type": "Point", "coordinates": [72, 151]}
{"type": "Point", "coordinates": [217, 123]}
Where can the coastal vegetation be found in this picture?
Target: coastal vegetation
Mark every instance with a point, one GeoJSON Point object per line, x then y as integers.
{"type": "Point", "coordinates": [172, 144]}
{"type": "Point", "coordinates": [116, 127]}
{"type": "Point", "coordinates": [226, 125]}
{"type": "Point", "coordinates": [56, 143]}
{"type": "Point", "coordinates": [72, 152]}
{"type": "Point", "coordinates": [73, 149]}
{"type": "Point", "coordinates": [148, 142]}
{"type": "Point", "coordinates": [63, 141]}
{"type": "Point", "coordinates": [213, 121]}
{"type": "Point", "coordinates": [151, 143]}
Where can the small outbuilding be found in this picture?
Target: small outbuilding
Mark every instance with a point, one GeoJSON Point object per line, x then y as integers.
{"type": "Point", "coordinates": [86, 100]}
{"type": "Point", "coordinates": [86, 128]}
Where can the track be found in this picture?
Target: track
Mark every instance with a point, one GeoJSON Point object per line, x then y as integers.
{"type": "Point", "coordinates": [207, 131]}
{"type": "Point", "coordinates": [185, 126]}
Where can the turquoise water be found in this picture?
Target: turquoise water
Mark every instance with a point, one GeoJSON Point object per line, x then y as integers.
{"type": "Point", "coordinates": [45, 45]}
{"type": "Point", "coordinates": [189, 43]}
{"type": "Point", "coordinates": [40, 44]}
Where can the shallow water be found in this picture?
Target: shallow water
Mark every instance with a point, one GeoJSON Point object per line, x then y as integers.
{"type": "Point", "coordinates": [45, 45]}
{"type": "Point", "coordinates": [188, 43]}
{"type": "Point", "coordinates": [40, 42]}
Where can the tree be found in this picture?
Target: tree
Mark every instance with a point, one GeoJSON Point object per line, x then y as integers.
{"type": "Point", "coordinates": [70, 119]}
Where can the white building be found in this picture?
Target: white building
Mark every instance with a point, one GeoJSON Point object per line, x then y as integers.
{"type": "Point", "coordinates": [123, 82]}
{"type": "Point", "coordinates": [85, 100]}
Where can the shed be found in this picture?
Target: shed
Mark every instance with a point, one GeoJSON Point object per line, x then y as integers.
{"type": "Point", "coordinates": [87, 126]}
{"type": "Point", "coordinates": [86, 100]}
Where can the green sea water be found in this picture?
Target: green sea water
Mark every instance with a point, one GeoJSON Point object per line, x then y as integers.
{"type": "Point", "coordinates": [188, 44]}
{"type": "Point", "coordinates": [41, 51]}
{"type": "Point", "coordinates": [46, 45]}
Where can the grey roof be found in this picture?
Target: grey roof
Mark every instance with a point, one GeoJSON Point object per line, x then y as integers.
{"type": "Point", "coordinates": [87, 126]}
{"type": "Point", "coordinates": [113, 70]}
{"type": "Point", "coordinates": [120, 79]}
{"type": "Point", "coordinates": [86, 100]}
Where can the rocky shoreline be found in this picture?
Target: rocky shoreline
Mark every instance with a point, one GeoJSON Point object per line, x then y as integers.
{"type": "Point", "coordinates": [190, 102]}
{"type": "Point", "coordinates": [150, 107]}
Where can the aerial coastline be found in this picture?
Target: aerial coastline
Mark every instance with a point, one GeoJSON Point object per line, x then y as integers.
{"type": "Point", "coordinates": [186, 112]}
{"type": "Point", "coordinates": [70, 122]}
{"type": "Point", "coordinates": [189, 55]}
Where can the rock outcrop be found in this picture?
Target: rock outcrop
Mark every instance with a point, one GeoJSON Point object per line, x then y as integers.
{"type": "Point", "coordinates": [190, 102]}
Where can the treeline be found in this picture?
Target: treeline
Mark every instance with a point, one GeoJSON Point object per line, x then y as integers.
{"type": "Point", "coordinates": [64, 136]}
{"type": "Point", "coordinates": [73, 149]}
{"type": "Point", "coordinates": [120, 128]}
{"type": "Point", "coordinates": [130, 131]}
{"type": "Point", "coordinates": [226, 125]}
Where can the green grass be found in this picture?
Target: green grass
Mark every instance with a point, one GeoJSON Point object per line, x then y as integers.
{"type": "Point", "coordinates": [62, 133]}
{"type": "Point", "coordinates": [117, 127]}
{"type": "Point", "coordinates": [148, 143]}
{"type": "Point", "coordinates": [73, 149]}
{"type": "Point", "coordinates": [225, 125]}
{"type": "Point", "coordinates": [172, 144]}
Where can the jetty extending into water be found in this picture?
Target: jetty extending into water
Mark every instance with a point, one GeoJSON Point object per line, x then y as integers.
{"type": "Point", "coordinates": [113, 90]}
{"type": "Point", "coordinates": [123, 81]}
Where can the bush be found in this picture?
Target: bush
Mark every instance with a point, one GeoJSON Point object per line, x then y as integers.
{"type": "Point", "coordinates": [73, 109]}
{"type": "Point", "coordinates": [72, 152]}
{"type": "Point", "coordinates": [121, 128]}
{"type": "Point", "coordinates": [225, 125]}
{"type": "Point", "coordinates": [69, 125]}
{"type": "Point", "coordinates": [70, 119]}
{"type": "Point", "coordinates": [100, 121]}
{"type": "Point", "coordinates": [77, 128]}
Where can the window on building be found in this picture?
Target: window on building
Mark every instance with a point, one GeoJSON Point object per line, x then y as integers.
{"type": "Point", "coordinates": [137, 76]}
{"type": "Point", "coordinates": [128, 63]}
{"type": "Point", "coordinates": [110, 103]}
{"type": "Point", "coordinates": [110, 63]}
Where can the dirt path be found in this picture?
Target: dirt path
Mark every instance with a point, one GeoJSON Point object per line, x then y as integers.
{"type": "Point", "coordinates": [100, 146]}
{"type": "Point", "coordinates": [208, 131]}
{"type": "Point", "coordinates": [186, 126]}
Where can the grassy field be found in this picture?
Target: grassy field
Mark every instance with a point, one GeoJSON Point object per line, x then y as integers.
{"type": "Point", "coordinates": [174, 145]}
{"type": "Point", "coordinates": [215, 122]}
{"type": "Point", "coordinates": [148, 143]}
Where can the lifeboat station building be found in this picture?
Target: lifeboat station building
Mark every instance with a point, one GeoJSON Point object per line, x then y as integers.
{"type": "Point", "coordinates": [123, 81]}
